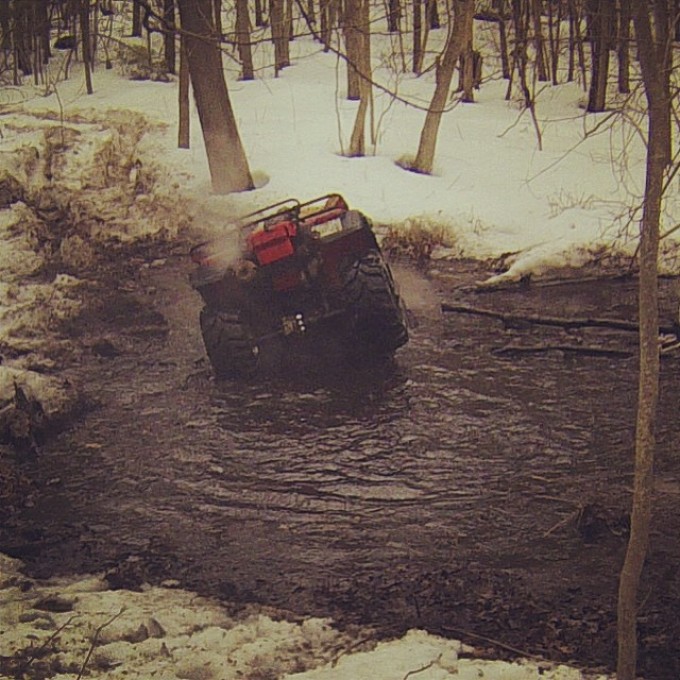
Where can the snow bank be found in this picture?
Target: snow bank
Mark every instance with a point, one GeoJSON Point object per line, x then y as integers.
{"type": "Point", "coordinates": [56, 395]}
{"type": "Point", "coordinates": [71, 185]}
{"type": "Point", "coordinates": [63, 626]}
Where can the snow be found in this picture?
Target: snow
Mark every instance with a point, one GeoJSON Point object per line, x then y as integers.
{"type": "Point", "coordinates": [493, 190]}
{"type": "Point", "coordinates": [70, 624]}
{"type": "Point", "coordinates": [108, 165]}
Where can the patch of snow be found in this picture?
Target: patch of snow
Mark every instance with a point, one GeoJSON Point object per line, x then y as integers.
{"type": "Point", "coordinates": [168, 633]}
{"type": "Point", "coordinates": [56, 395]}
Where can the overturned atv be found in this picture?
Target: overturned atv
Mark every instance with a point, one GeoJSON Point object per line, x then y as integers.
{"type": "Point", "coordinates": [299, 270]}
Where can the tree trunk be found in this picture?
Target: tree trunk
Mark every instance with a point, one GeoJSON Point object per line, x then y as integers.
{"type": "Point", "coordinates": [243, 39]}
{"type": "Point", "coordinates": [394, 16]}
{"type": "Point", "coordinates": [169, 36]}
{"type": "Point", "coordinates": [85, 38]}
{"type": "Point", "coordinates": [21, 35]}
{"type": "Point", "coordinates": [5, 30]}
{"type": "Point", "coordinates": [357, 145]}
{"type": "Point", "coordinates": [462, 21]}
{"type": "Point", "coordinates": [503, 38]}
{"type": "Point", "coordinates": [353, 46]}
{"type": "Point", "coordinates": [226, 158]}
{"type": "Point", "coordinates": [417, 36]}
{"type": "Point", "coordinates": [521, 18]}
{"type": "Point", "coordinates": [555, 38]}
{"type": "Point", "coordinates": [277, 12]}
{"type": "Point", "coordinates": [470, 68]}
{"type": "Point", "coordinates": [653, 31]}
{"type": "Point", "coordinates": [623, 41]}
{"type": "Point", "coordinates": [217, 9]}
{"type": "Point", "coordinates": [325, 24]}
{"type": "Point", "coordinates": [539, 40]}
{"type": "Point", "coordinates": [290, 33]}
{"type": "Point", "coordinates": [600, 22]}
{"type": "Point", "coordinates": [311, 12]}
{"type": "Point", "coordinates": [576, 43]}
{"type": "Point", "coordinates": [259, 15]}
{"type": "Point", "coordinates": [136, 19]}
{"type": "Point", "coordinates": [184, 128]}
{"type": "Point", "coordinates": [44, 29]}
{"type": "Point", "coordinates": [432, 15]}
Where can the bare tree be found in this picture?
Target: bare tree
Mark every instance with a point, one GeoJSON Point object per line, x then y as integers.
{"type": "Point", "coordinates": [432, 15]}
{"type": "Point", "coordinates": [417, 36]}
{"type": "Point", "coordinates": [217, 9]}
{"type": "Point", "coordinates": [354, 45]}
{"type": "Point", "coordinates": [357, 144]}
{"type": "Point", "coordinates": [184, 127]}
{"type": "Point", "coordinates": [328, 12]}
{"type": "Point", "coordinates": [521, 18]}
{"type": "Point", "coordinates": [136, 18]}
{"type": "Point", "coordinates": [243, 39]}
{"type": "Point", "coordinates": [653, 29]}
{"type": "Point", "coordinates": [536, 9]}
{"type": "Point", "coordinates": [85, 37]}
{"type": "Point", "coordinates": [554, 38]}
{"type": "Point", "coordinates": [470, 67]}
{"type": "Point", "coordinates": [277, 16]}
{"type": "Point", "coordinates": [169, 35]}
{"type": "Point", "coordinates": [259, 15]}
{"type": "Point", "coordinates": [576, 41]}
{"type": "Point", "coordinates": [229, 169]}
{"type": "Point", "coordinates": [393, 16]}
{"type": "Point", "coordinates": [463, 12]}
{"type": "Point", "coordinates": [503, 39]}
{"type": "Point", "coordinates": [623, 40]}
{"type": "Point", "coordinates": [600, 21]}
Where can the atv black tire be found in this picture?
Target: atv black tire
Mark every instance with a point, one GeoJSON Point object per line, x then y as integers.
{"type": "Point", "coordinates": [378, 320]}
{"type": "Point", "coordinates": [230, 346]}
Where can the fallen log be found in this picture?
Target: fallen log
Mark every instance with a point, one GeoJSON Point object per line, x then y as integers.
{"type": "Point", "coordinates": [561, 322]}
{"type": "Point", "coordinates": [588, 350]}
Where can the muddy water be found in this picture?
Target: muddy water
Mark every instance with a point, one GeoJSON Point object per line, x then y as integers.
{"type": "Point", "coordinates": [430, 491]}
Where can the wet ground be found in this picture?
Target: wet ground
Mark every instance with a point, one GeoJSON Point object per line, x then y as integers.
{"type": "Point", "coordinates": [477, 487]}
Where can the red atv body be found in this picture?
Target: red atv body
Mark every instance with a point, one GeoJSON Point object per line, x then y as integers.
{"type": "Point", "coordinates": [298, 269]}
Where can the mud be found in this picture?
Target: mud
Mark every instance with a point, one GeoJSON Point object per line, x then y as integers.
{"type": "Point", "coordinates": [478, 486]}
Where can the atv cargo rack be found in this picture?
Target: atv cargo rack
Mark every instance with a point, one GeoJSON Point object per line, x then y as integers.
{"type": "Point", "coordinates": [318, 210]}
